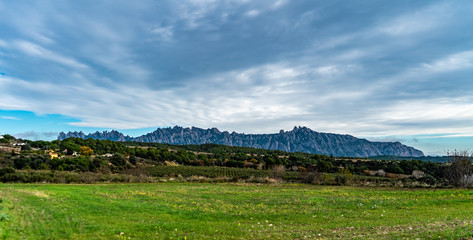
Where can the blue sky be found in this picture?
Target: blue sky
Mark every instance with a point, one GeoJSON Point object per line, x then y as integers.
{"type": "Point", "coordinates": [382, 70]}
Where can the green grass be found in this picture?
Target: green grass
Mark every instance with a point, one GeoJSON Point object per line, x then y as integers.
{"type": "Point", "coordinates": [231, 211]}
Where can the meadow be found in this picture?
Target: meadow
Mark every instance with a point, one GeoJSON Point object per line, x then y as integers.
{"type": "Point", "coordinates": [182, 210]}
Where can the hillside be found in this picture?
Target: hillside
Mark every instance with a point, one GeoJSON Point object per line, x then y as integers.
{"type": "Point", "coordinates": [300, 139]}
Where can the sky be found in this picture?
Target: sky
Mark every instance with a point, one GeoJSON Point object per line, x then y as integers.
{"type": "Point", "coordinates": [377, 69]}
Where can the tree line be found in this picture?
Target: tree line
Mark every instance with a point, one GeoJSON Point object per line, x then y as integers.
{"type": "Point", "coordinates": [83, 155]}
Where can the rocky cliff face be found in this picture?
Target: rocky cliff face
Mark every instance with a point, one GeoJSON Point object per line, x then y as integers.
{"type": "Point", "coordinates": [300, 139]}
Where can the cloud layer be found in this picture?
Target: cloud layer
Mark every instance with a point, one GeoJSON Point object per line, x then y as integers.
{"type": "Point", "coordinates": [368, 68]}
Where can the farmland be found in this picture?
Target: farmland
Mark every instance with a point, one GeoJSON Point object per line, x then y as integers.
{"type": "Point", "coordinates": [180, 210]}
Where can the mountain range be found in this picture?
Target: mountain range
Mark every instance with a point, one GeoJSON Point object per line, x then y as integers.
{"type": "Point", "coordinates": [300, 139]}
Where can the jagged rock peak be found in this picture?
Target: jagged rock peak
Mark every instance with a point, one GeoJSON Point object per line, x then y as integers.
{"type": "Point", "coordinates": [300, 139]}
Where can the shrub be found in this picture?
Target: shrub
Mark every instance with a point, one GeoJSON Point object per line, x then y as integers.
{"type": "Point", "coordinates": [118, 160]}
{"type": "Point", "coordinates": [132, 159]}
{"type": "Point", "coordinates": [301, 169]}
{"type": "Point", "coordinates": [277, 172]}
{"type": "Point", "coordinates": [343, 177]}
{"type": "Point", "coordinates": [429, 179]}
{"type": "Point", "coordinates": [310, 177]}
{"type": "Point", "coordinates": [326, 178]}
{"type": "Point", "coordinates": [6, 170]}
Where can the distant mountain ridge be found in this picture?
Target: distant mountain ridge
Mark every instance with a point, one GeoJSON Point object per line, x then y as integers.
{"type": "Point", "coordinates": [300, 139]}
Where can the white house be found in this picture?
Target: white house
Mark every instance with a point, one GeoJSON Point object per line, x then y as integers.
{"type": "Point", "coordinates": [1, 136]}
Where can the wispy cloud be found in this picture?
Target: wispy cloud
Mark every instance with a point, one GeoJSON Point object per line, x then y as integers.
{"type": "Point", "coordinates": [38, 51]}
{"type": "Point", "coordinates": [418, 21]}
{"type": "Point", "coordinates": [252, 13]}
{"type": "Point", "coordinates": [164, 33]}
{"type": "Point", "coordinates": [453, 62]}
{"type": "Point", "coordinates": [9, 118]}
{"type": "Point", "coordinates": [35, 135]}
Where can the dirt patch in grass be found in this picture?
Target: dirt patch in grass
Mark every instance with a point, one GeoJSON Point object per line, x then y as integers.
{"type": "Point", "coordinates": [36, 193]}
{"type": "Point", "coordinates": [383, 232]}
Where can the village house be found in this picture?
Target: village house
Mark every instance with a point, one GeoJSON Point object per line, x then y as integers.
{"type": "Point", "coordinates": [74, 153]}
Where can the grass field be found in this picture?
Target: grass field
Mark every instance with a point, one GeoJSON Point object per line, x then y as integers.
{"type": "Point", "coordinates": [231, 211]}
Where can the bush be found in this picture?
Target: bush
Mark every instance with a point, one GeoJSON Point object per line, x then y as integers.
{"type": "Point", "coordinates": [429, 179]}
{"type": "Point", "coordinates": [277, 172]}
{"type": "Point", "coordinates": [310, 177]}
{"type": "Point", "coordinates": [327, 178]}
{"type": "Point", "coordinates": [132, 159]}
{"type": "Point", "coordinates": [118, 160]}
{"type": "Point", "coordinates": [6, 170]}
{"type": "Point", "coordinates": [343, 177]}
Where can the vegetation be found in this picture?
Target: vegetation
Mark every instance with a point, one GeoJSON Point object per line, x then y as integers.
{"type": "Point", "coordinates": [106, 157]}
{"type": "Point", "coordinates": [231, 211]}
{"type": "Point", "coordinates": [235, 205]}
{"type": "Point", "coordinates": [209, 172]}
{"type": "Point", "coordinates": [460, 170]}
{"type": "Point", "coordinates": [439, 159]}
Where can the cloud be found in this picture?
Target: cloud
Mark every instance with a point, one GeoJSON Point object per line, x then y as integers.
{"type": "Point", "coordinates": [9, 118]}
{"type": "Point", "coordinates": [453, 62]}
{"type": "Point", "coordinates": [165, 33]}
{"type": "Point", "coordinates": [35, 135]}
{"type": "Point", "coordinates": [386, 139]}
{"type": "Point", "coordinates": [50, 134]}
{"type": "Point", "coordinates": [38, 51]}
{"type": "Point", "coordinates": [253, 13]}
{"type": "Point", "coordinates": [278, 4]}
{"type": "Point", "coordinates": [457, 135]}
{"type": "Point", "coordinates": [417, 21]}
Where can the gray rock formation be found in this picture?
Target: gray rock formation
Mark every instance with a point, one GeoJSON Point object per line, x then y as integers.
{"type": "Point", "coordinates": [300, 139]}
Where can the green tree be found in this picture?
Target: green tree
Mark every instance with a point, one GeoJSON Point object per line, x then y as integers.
{"type": "Point", "coordinates": [8, 137]}
{"type": "Point", "coordinates": [324, 166]}
{"type": "Point", "coordinates": [70, 146]}
{"type": "Point", "coordinates": [132, 159]}
{"type": "Point", "coordinates": [118, 160]}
